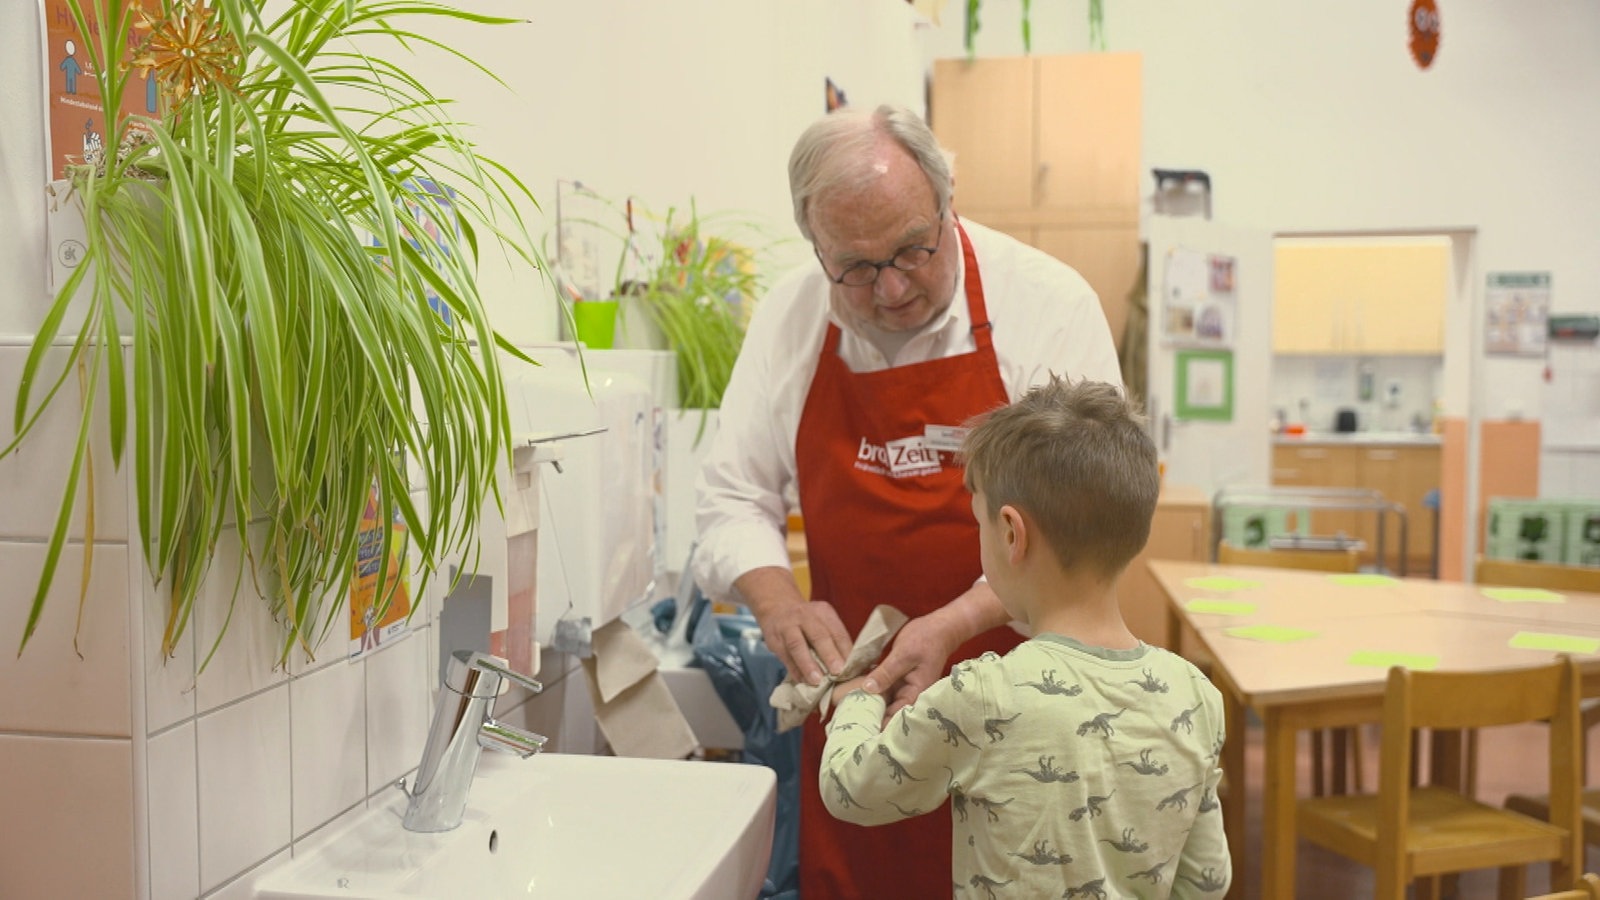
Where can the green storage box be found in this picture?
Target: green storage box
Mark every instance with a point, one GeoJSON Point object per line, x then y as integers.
{"type": "Point", "coordinates": [1252, 527]}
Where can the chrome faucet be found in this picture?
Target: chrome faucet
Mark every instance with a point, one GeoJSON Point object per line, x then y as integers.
{"type": "Point", "coordinates": [462, 727]}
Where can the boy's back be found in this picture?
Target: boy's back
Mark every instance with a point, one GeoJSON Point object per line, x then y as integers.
{"type": "Point", "coordinates": [1072, 771]}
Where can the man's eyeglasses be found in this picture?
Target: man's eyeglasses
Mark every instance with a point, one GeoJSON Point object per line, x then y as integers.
{"type": "Point", "coordinates": [864, 273]}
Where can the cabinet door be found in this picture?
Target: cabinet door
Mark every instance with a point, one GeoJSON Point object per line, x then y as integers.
{"type": "Point", "coordinates": [1107, 257]}
{"type": "Point", "coordinates": [1405, 475]}
{"type": "Point", "coordinates": [1176, 532]}
{"type": "Point", "coordinates": [1088, 133]}
{"type": "Point", "coordinates": [982, 112]}
{"type": "Point", "coordinates": [1400, 301]}
{"type": "Point", "coordinates": [1306, 316]}
{"type": "Point", "coordinates": [1321, 466]}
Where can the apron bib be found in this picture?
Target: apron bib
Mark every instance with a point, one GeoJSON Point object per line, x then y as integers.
{"type": "Point", "coordinates": [888, 520]}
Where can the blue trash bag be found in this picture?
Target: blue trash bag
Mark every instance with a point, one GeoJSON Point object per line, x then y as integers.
{"type": "Point", "coordinates": [744, 672]}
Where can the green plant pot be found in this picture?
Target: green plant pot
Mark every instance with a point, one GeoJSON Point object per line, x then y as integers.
{"type": "Point", "coordinates": [595, 323]}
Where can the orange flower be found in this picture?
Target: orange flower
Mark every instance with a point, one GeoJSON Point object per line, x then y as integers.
{"type": "Point", "coordinates": [188, 50]}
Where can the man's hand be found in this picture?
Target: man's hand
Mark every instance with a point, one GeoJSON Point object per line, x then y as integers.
{"type": "Point", "coordinates": [797, 630]}
{"type": "Point", "coordinates": [860, 682]}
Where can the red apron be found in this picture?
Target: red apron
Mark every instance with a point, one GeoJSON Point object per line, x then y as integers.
{"type": "Point", "coordinates": [888, 521]}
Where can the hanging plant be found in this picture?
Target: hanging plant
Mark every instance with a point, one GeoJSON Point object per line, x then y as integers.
{"type": "Point", "coordinates": [295, 340]}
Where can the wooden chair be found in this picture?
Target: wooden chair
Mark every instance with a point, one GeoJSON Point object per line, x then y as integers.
{"type": "Point", "coordinates": [1551, 577]}
{"type": "Point", "coordinates": [1405, 832]}
{"type": "Point", "coordinates": [1588, 888]}
{"type": "Point", "coordinates": [1343, 745]}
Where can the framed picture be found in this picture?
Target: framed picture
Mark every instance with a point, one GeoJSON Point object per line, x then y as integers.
{"type": "Point", "coordinates": [1205, 385]}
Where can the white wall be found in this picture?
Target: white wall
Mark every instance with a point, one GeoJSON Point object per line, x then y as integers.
{"type": "Point", "coordinates": [181, 785]}
{"type": "Point", "coordinates": [1313, 117]}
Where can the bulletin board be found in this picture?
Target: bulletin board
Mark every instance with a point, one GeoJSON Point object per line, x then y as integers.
{"type": "Point", "coordinates": [1199, 305]}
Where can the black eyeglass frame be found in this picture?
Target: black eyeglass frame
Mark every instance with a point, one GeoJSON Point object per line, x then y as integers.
{"type": "Point", "coordinates": [878, 267]}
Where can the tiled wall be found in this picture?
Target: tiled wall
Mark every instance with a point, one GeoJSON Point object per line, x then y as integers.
{"type": "Point", "coordinates": [140, 777]}
{"type": "Point", "coordinates": [1325, 384]}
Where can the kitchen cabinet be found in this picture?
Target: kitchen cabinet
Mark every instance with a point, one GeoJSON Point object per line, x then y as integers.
{"type": "Point", "coordinates": [1047, 150]}
{"type": "Point", "coordinates": [1181, 530]}
{"type": "Point", "coordinates": [1363, 298]}
{"type": "Point", "coordinates": [1402, 473]}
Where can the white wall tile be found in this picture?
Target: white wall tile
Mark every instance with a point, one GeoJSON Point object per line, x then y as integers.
{"type": "Point", "coordinates": [244, 887]}
{"type": "Point", "coordinates": [335, 645]}
{"type": "Point", "coordinates": [399, 706]}
{"type": "Point", "coordinates": [33, 478]}
{"type": "Point", "coordinates": [174, 815]}
{"type": "Point", "coordinates": [244, 779]}
{"type": "Point", "coordinates": [55, 686]}
{"type": "Point", "coordinates": [327, 714]}
{"type": "Point", "coordinates": [169, 685]}
{"type": "Point", "coordinates": [67, 827]}
{"type": "Point", "coordinates": [247, 660]}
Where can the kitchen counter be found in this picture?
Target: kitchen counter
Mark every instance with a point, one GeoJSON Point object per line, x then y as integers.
{"type": "Point", "coordinates": [1358, 439]}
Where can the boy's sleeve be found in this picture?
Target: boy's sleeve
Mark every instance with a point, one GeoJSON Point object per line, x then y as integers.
{"type": "Point", "coordinates": [1205, 868]}
{"type": "Point", "coordinates": [872, 775]}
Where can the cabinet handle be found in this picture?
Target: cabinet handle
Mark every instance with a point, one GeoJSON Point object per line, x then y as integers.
{"type": "Point", "coordinates": [1310, 453]}
{"type": "Point", "coordinates": [1285, 474]}
{"type": "Point", "coordinates": [1383, 455]}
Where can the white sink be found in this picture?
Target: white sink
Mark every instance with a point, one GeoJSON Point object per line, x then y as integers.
{"type": "Point", "coordinates": [556, 825]}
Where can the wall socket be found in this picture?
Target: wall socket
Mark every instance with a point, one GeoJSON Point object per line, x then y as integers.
{"type": "Point", "coordinates": [1391, 393]}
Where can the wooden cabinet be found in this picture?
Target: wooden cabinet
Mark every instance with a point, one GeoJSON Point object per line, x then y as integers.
{"type": "Point", "coordinates": [1341, 297]}
{"type": "Point", "coordinates": [1047, 150]}
{"type": "Point", "coordinates": [1402, 474]}
{"type": "Point", "coordinates": [1181, 529]}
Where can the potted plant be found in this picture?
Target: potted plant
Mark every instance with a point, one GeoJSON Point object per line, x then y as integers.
{"type": "Point", "coordinates": [289, 252]}
{"type": "Point", "coordinates": [685, 283]}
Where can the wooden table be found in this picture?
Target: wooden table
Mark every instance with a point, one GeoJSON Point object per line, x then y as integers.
{"type": "Point", "coordinates": [1312, 683]}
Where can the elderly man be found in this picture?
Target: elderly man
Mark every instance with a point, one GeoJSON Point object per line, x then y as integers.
{"type": "Point", "coordinates": [856, 376]}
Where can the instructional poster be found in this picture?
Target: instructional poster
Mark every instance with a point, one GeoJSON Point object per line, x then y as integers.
{"type": "Point", "coordinates": [1517, 306]}
{"type": "Point", "coordinates": [75, 130]}
{"type": "Point", "coordinates": [370, 625]}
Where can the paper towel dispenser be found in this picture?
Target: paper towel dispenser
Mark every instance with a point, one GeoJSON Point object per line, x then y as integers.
{"type": "Point", "coordinates": [597, 531]}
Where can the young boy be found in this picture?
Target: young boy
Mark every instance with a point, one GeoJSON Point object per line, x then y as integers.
{"type": "Point", "coordinates": [1083, 763]}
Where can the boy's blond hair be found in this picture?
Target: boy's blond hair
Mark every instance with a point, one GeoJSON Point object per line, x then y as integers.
{"type": "Point", "coordinates": [1074, 457]}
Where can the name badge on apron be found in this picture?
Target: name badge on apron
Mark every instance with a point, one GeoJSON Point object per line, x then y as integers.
{"type": "Point", "coordinates": [945, 438]}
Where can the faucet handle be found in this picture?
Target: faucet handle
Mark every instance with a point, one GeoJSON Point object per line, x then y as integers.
{"type": "Point", "coordinates": [464, 666]}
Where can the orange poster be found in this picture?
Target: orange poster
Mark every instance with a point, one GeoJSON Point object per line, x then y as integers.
{"type": "Point", "coordinates": [72, 94]}
{"type": "Point", "coordinates": [370, 624]}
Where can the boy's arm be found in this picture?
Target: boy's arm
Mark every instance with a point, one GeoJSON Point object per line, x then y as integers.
{"type": "Point", "coordinates": [874, 774]}
{"type": "Point", "coordinates": [1205, 867]}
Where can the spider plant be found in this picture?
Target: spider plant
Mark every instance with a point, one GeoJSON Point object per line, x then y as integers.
{"type": "Point", "coordinates": [260, 249]}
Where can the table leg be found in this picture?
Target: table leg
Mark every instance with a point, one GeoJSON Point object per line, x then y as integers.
{"type": "Point", "coordinates": [1234, 818]}
{"type": "Point", "coordinates": [1278, 792]}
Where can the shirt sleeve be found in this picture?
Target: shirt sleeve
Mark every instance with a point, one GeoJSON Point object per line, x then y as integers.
{"type": "Point", "coordinates": [740, 500]}
{"type": "Point", "coordinates": [873, 775]}
{"type": "Point", "coordinates": [1205, 866]}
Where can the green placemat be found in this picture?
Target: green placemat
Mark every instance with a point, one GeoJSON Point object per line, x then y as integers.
{"type": "Point", "coordinates": [1560, 643]}
{"type": "Point", "coordinates": [1362, 579]}
{"type": "Point", "coordinates": [1522, 595]}
{"type": "Point", "coordinates": [1272, 634]}
{"type": "Point", "coordinates": [1220, 607]}
{"type": "Point", "coordinates": [1220, 583]}
{"type": "Point", "coordinates": [1384, 659]}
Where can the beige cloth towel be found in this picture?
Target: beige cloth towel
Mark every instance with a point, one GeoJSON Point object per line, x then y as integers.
{"type": "Point", "coordinates": [795, 700]}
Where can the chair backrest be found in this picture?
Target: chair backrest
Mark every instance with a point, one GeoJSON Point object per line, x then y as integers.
{"type": "Point", "coordinates": [1588, 889]}
{"type": "Point", "coordinates": [1550, 576]}
{"type": "Point", "coordinates": [1462, 700]}
{"type": "Point", "coordinates": [1346, 560]}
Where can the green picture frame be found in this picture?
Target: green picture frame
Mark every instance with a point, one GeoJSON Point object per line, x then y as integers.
{"type": "Point", "coordinates": [1204, 389]}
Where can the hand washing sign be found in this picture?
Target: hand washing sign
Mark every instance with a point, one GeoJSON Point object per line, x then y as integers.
{"type": "Point", "coordinates": [379, 613]}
